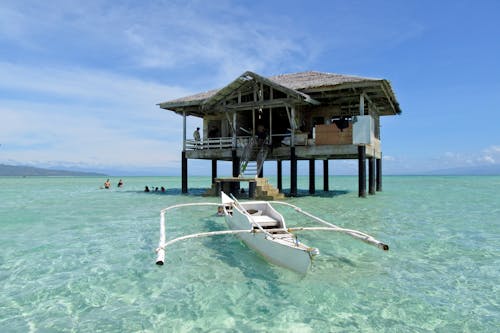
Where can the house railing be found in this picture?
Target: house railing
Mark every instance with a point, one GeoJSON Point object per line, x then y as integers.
{"type": "Point", "coordinates": [216, 143]}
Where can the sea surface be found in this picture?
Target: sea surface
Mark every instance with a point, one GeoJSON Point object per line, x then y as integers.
{"type": "Point", "coordinates": [77, 258]}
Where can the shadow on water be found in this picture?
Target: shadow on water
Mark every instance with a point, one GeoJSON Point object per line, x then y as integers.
{"type": "Point", "coordinates": [193, 192]}
{"type": "Point", "coordinates": [320, 194]}
{"type": "Point", "coordinates": [197, 192]}
{"type": "Point", "coordinates": [230, 250]}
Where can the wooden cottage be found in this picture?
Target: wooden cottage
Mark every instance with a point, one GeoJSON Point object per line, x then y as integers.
{"type": "Point", "coordinates": [301, 116]}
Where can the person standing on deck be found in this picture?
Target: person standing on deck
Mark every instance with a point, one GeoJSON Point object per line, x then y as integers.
{"type": "Point", "coordinates": [197, 137]}
{"type": "Point", "coordinates": [196, 134]}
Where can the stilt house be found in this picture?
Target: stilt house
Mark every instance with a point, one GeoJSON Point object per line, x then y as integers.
{"type": "Point", "coordinates": [301, 116]}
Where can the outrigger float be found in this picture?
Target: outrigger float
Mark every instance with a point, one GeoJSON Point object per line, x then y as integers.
{"type": "Point", "coordinates": [263, 229]}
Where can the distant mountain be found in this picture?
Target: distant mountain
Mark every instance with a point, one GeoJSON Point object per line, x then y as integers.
{"type": "Point", "coordinates": [483, 170]}
{"type": "Point", "coordinates": [19, 170]}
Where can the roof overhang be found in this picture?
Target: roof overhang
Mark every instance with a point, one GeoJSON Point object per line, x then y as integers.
{"type": "Point", "coordinates": [308, 88]}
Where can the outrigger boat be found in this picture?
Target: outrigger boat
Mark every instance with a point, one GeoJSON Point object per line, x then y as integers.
{"type": "Point", "coordinates": [263, 229]}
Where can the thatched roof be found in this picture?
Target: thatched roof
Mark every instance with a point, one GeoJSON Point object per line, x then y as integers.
{"type": "Point", "coordinates": [303, 84]}
{"type": "Point", "coordinates": [308, 80]}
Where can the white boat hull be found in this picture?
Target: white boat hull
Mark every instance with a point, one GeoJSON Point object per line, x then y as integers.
{"type": "Point", "coordinates": [280, 249]}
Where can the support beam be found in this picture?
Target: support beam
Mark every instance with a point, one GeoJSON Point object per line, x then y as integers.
{"type": "Point", "coordinates": [371, 175]}
{"type": "Point", "coordinates": [379, 174]}
{"type": "Point", "coordinates": [251, 190]}
{"type": "Point", "coordinates": [214, 170]}
{"type": "Point", "coordinates": [362, 105]}
{"type": "Point", "coordinates": [184, 173]}
{"type": "Point", "coordinates": [235, 186]}
{"type": "Point", "coordinates": [279, 174]}
{"type": "Point", "coordinates": [312, 177]}
{"type": "Point", "coordinates": [184, 135]}
{"type": "Point", "coordinates": [325, 176]}
{"type": "Point", "coordinates": [362, 171]}
{"type": "Point", "coordinates": [235, 130]}
{"type": "Point", "coordinates": [236, 163]}
{"type": "Point", "coordinates": [293, 172]}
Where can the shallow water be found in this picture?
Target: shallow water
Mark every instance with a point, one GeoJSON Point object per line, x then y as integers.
{"type": "Point", "coordinates": [78, 258]}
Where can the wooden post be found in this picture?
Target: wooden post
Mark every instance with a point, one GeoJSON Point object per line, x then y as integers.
{"type": "Point", "coordinates": [235, 186]}
{"type": "Point", "coordinates": [184, 134]}
{"type": "Point", "coordinates": [325, 176]}
{"type": "Point", "coordinates": [312, 177]}
{"type": "Point", "coordinates": [271, 125]}
{"type": "Point", "coordinates": [236, 163]}
{"type": "Point", "coordinates": [251, 190]}
{"type": "Point", "coordinates": [379, 174]}
{"type": "Point", "coordinates": [214, 170]}
{"type": "Point", "coordinates": [235, 139]}
{"type": "Point", "coordinates": [362, 171]}
{"type": "Point", "coordinates": [279, 175]}
{"type": "Point", "coordinates": [371, 175]}
{"type": "Point", "coordinates": [362, 105]}
{"type": "Point", "coordinates": [293, 172]}
{"type": "Point", "coordinates": [184, 173]}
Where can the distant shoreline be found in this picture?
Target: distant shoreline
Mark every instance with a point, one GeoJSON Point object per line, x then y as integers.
{"type": "Point", "coordinates": [27, 171]}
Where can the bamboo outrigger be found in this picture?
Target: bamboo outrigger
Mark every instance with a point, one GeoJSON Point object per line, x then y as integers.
{"type": "Point", "coordinates": [263, 229]}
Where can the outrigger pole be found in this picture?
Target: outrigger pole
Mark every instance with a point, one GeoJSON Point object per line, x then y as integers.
{"type": "Point", "coordinates": [332, 227]}
{"type": "Point", "coordinates": [160, 258]}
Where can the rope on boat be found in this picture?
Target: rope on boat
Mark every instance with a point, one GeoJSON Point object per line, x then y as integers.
{"type": "Point", "coordinates": [332, 227]}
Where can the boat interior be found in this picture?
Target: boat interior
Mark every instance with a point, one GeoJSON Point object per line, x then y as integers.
{"type": "Point", "coordinates": [262, 214]}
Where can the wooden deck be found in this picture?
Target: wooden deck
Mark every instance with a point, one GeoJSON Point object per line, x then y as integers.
{"type": "Point", "coordinates": [319, 152]}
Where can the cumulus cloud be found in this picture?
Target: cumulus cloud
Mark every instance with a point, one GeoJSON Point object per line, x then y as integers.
{"type": "Point", "coordinates": [85, 115]}
{"type": "Point", "coordinates": [82, 82]}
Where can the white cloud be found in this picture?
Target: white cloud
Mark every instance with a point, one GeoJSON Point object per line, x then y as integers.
{"type": "Point", "coordinates": [486, 159]}
{"type": "Point", "coordinates": [93, 117]}
{"type": "Point", "coordinates": [80, 84]}
{"type": "Point", "coordinates": [223, 35]}
{"type": "Point", "coordinates": [492, 150]}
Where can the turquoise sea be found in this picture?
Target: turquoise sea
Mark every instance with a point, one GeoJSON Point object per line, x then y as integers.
{"type": "Point", "coordinates": [76, 258]}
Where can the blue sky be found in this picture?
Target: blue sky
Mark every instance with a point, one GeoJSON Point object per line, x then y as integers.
{"type": "Point", "coordinates": [79, 81]}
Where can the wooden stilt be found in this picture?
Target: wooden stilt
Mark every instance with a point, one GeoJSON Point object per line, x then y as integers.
{"type": "Point", "coordinates": [235, 186]}
{"type": "Point", "coordinates": [362, 171]}
{"type": "Point", "coordinates": [214, 170]}
{"type": "Point", "coordinates": [279, 172]}
{"type": "Point", "coordinates": [379, 174]}
{"type": "Point", "coordinates": [251, 190]}
{"type": "Point", "coordinates": [293, 172]}
{"type": "Point", "coordinates": [371, 175]}
{"type": "Point", "coordinates": [236, 163]}
{"type": "Point", "coordinates": [312, 177]}
{"type": "Point", "coordinates": [325, 176]}
{"type": "Point", "coordinates": [184, 173]}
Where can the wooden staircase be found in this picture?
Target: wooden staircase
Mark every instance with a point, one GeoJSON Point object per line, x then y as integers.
{"type": "Point", "coordinates": [263, 190]}
{"type": "Point", "coordinates": [266, 191]}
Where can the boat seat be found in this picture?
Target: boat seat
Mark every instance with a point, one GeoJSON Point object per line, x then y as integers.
{"type": "Point", "coordinates": [265, 221]}
{"type": "Point", "coordinates": [254, 212]}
